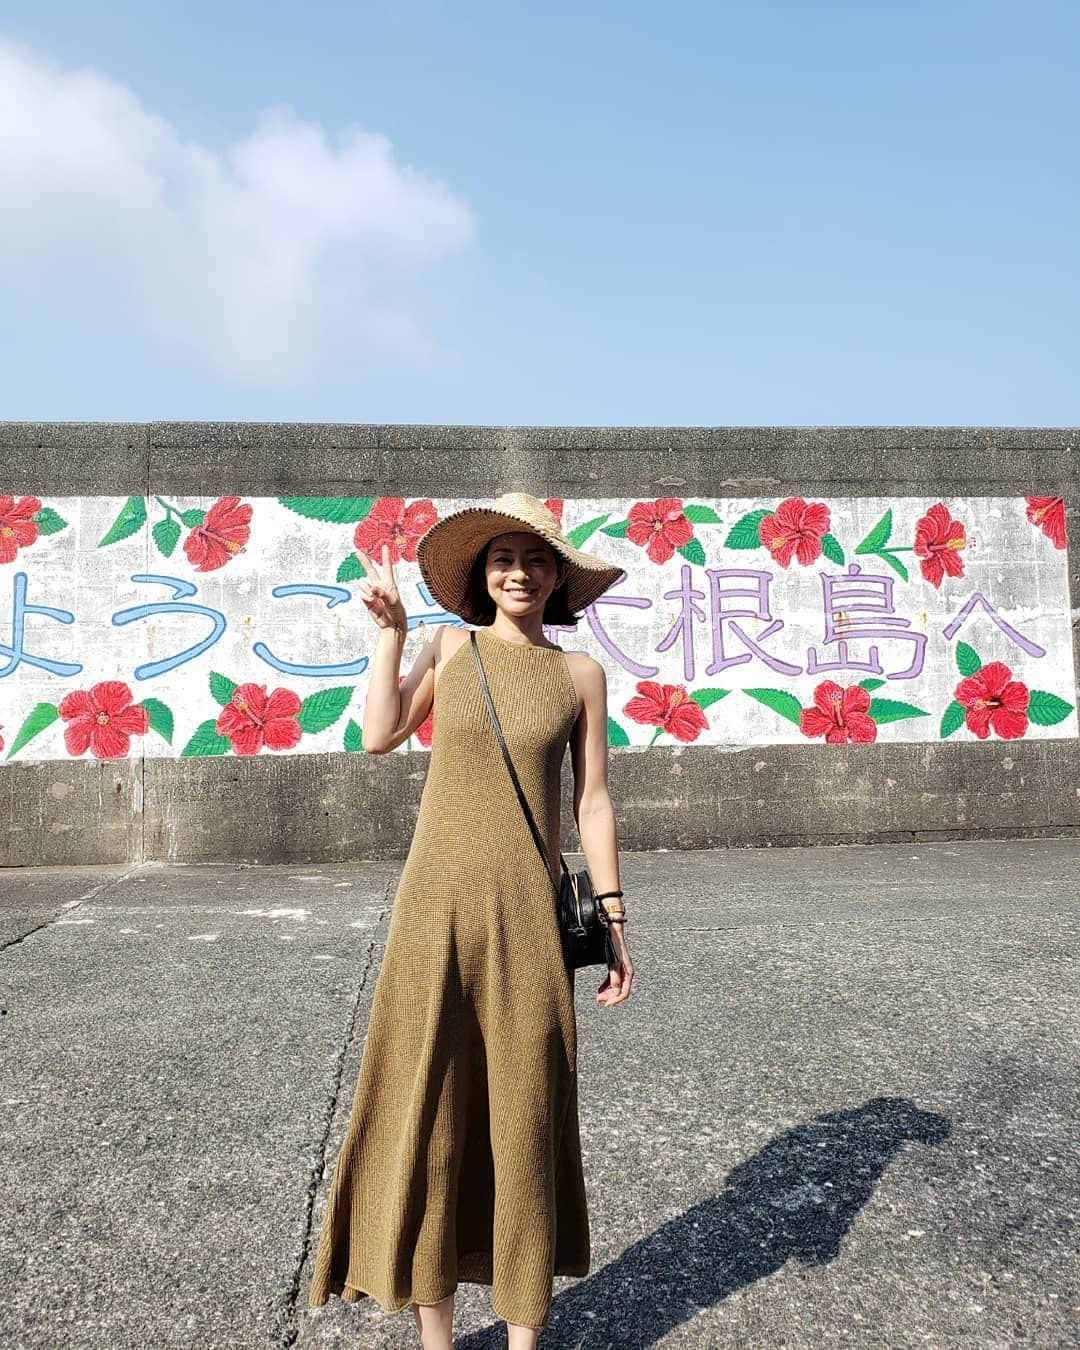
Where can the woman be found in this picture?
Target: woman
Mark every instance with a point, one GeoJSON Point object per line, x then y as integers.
{"type": "Point", "coordinates": [462, 1157]}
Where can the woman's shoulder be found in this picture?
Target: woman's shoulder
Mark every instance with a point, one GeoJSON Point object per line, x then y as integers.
{"type": "Point", "coordinates": [589, 677]}
{"type": "Point", "coordinates": [587, 665]}
{"type": "Point", "coordinates": [448, 639]}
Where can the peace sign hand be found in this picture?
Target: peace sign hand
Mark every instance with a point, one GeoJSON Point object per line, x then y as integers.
{"type": "Point", "coordinates": [379, 591]}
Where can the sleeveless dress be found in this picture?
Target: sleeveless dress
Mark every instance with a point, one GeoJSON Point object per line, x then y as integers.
{"type": "Point", "coordinates": [462, 1155]}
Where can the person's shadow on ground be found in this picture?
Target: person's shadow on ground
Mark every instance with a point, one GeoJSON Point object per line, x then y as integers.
{"type": "Point", "coordinates": [796, 1198]}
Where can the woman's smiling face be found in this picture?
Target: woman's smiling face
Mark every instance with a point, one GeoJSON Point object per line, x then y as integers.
{"type": "Point", "coordinates": [521, 571]}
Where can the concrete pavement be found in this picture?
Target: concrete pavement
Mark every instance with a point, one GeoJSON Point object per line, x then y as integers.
{"type": "Point", "coordinates": [839, 1108]}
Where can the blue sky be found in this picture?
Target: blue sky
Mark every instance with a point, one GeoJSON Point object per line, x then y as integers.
{"type": "Point", "coordinates": [632, 213]}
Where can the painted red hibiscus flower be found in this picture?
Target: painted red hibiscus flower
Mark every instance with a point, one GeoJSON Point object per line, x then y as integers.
{"type": "Point", "coordinates": [221, 536]}
{"type": "Point", "coordinates": [1, 737]}
{"type": "Point", "coordinates": [839, 715]}
{"type": "Point", "coordinates": [994, 701]}
{"type": "Point", "coordinates": [391, 522]}
{"type": "Point", "coordinates": [659, 526]}
{"type": "Point", "coordinates": [555, 506]}
{"type": "Point", "coordinates": [17, 527]}
{"type": "Point", "coordinates": [103, 719]}
{"type": "Point", "coordinates": [938, 541]}
{"type": "Point", "coordinates": [795, 530]}
{"type": "Point", "coordinates": [669, 707]}
{"type": "Point", "coordinates": [1048, 513]}
{"type": "Point", "coordinates": [424, 730]}
{"type": "Point", "coordinates": [251, 719]}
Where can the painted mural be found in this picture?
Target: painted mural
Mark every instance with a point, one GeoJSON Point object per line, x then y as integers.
{"type": "Point", "coordinates": [228, 626]}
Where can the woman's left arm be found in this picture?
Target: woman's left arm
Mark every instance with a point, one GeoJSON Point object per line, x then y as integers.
{"type": "Point", "coordinates": [594, 813]}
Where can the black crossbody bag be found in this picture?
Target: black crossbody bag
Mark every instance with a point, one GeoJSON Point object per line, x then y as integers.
{"type": "Point", "coordinates": [583, 923]}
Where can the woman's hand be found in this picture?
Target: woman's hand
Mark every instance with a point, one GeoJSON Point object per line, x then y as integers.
{"type": "Point", "coordinates": [617, 982]}
{"type": "Point", "coordinates": [379, 592]}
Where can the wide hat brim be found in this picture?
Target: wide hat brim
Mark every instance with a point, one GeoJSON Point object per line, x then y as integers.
{"type": "Point", "coordinates": [447, 551]}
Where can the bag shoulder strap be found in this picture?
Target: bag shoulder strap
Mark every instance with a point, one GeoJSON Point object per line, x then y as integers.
{"type": "Point", "coordinates": [509, 762]}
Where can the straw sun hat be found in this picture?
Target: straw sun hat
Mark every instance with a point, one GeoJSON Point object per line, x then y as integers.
{"type": "Point", "coordinates": [447, 551]}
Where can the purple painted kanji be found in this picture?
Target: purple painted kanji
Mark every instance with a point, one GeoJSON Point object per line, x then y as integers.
{"type": "Point", "coordinates": [594, 619]}
{"type": "Point", "coordinates": [850, 595]}
{"type": "Point", "coordinates": [732, 602]}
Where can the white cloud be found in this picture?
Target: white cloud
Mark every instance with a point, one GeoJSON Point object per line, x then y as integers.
{"type": "Point", "coordinates": [286, 250]}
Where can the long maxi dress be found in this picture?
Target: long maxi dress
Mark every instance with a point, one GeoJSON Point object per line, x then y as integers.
{"type": "Point", "coordinates": [462, 1156]}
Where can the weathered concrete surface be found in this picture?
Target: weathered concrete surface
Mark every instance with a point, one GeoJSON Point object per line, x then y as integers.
{"type": "Point", "coordinates": [70, 812]}
{"type": "Point", "coordinates": [314, 808]}
{"type": "Point", "coordinates": [74, 458]}
{"type": "Point", "coordinates": [264, 457]}
{"type": "Point", "coordinates": [839, 1108]}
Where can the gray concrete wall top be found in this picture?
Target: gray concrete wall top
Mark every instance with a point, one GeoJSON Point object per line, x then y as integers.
{"type": "Point", "coordinates": [268, 458]}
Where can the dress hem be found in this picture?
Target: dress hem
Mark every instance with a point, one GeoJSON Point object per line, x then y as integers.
{"type": "Point", "coordinates": [353, 1293]}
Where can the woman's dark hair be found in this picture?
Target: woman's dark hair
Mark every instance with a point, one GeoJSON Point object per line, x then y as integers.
{"type": "Point", "coordinates": [556, 611]}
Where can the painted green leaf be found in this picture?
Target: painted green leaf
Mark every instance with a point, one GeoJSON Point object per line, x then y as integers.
{"type": "Point", "coordinates": [161, 718]}
{"type": "Point", "coordinates": [615, 734]}
{"type": "Point", "coordinates": [193, 517]}
{"type": "Point", "coordinates": [166, 535]}
{"type": "Point", "coordinates": [322, 709]}
{"type": "Point", "coordinates": [340, 510]}
{"type": "Point", "coordinates": [205, 741]}
{"type": "Point", "coordinates": [701, 514]}
{"type": "Point", "coordinates": [787, 705]}
{"type": "Point", "coordinates": [968, 660]}
{"type": "Point", "coordinates": [48, 522]}
{"type": "Point", "coordinates": [744, 533]}
{"type": "Point", "coordinates": [42, 715]}
{"type": "Point", "coordinates": [705, 697]}
{"type": "Point", "coordinates": [953, 719]}
{"type": "Point", "coordinates": [871, 684]}
{"type": "Point", "coordinates": [354, 736]}
{"type": "Point", "coordinates": [693, 552]}
{"type": "Point", "coordinates": [894, 562]}
{"type": "Point", "coordinates": [884, 710]}
{"type": "Point", "coordinates": [130, 521]}
{"type": "Point", "coordinates": [221, 689]}
{"type": "Point", "coordinates": [351, 569]}
{"type": "Point", "coordinates": [830, 546]}
{"type": "Point", "coordinates": [1046, 709]}
{"type": "Point", "coordinates": [580, 533]}
{"type": "Point", "coordinates": [878, 536]}
{"type": "Point", "coordinates": [618, 530]}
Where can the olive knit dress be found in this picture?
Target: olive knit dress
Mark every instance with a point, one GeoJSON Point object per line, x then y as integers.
{"type": "Point", "coordinates": [462, 1155]}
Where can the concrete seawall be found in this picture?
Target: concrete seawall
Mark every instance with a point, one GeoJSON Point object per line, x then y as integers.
{"type": "Point", "coordinates": [61, 809]}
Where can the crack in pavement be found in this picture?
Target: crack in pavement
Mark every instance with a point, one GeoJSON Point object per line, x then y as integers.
{"type": "Point", "coordinates": [292, 1328]}
{"type": "Point", "coordinates": [72, 906]}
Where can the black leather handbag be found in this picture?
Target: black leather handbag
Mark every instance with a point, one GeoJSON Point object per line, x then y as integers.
{"type": "Point", "coordinates": [584, 927]}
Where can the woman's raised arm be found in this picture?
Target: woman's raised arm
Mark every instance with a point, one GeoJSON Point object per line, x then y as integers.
{"type": "Point", "coordinates": [393, 710]}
